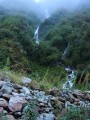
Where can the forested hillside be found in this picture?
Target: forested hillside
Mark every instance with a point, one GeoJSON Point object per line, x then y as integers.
{"type": "Point", "coordinates": [16, 38]}
{"type": "Point", "coordinates": [69, 34]}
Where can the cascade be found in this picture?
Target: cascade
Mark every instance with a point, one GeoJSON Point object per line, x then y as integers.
{"type": "Point", "coordinates": [69, 83]}
{"type": "Point", "coordinates": [36, 35]}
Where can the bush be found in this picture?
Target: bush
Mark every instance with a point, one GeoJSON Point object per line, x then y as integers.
{"type": "Point", "coordinates": [76, 114]}
{"type": "Point", "coordinates": [31, 111]}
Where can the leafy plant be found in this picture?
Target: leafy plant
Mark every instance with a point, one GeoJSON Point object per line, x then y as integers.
{"type": "Point", "coordinates": [31, 111]}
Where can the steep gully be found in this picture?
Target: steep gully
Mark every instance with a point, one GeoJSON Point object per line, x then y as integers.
{"type": "Point", "coordinates": [69, 83]}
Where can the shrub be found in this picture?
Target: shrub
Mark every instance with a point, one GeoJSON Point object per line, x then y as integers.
{"type": "Point", "coordinates": [76, 114]}
{"type": "Point", "coordinates": [31, 111]}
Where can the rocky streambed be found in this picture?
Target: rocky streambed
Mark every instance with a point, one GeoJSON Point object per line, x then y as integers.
{"type": "Point", "coordinates": [14, 100]}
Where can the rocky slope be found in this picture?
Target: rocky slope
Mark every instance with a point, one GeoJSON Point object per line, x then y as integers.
{"type": "Point", "coordinates": [16, 101]}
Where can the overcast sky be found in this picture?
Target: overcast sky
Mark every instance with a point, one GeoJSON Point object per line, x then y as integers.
{"type": "Point", "coordinates": [41, 6]}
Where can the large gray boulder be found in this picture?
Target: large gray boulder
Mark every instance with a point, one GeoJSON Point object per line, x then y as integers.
{"type": "Point", "coordinates": [16, 103]}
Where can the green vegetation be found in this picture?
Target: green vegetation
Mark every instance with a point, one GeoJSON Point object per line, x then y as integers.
{"type": "Point", "coordinates": [76, 114]}
{"type": "Point", "coordinates": [69, 31]}
{"type": "Point", "coordinates": [16, 40]}
{"type": "Point", "coordinates": [31, 111]}
{"type": "Point", "coordinates": [83, 79]}
{"type": "Point", "coordinates": [64, 32]}
{"type": "Point", "coordinates": [47, 77]}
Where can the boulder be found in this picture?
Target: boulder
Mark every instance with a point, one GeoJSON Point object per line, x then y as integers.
{"type": "Point", "coordinates": [25, 90]}
{"type": "Point", "coordinates": [16, 103]}
{"type": "Point", "coordinates": [26, 81]}
{"type": "Point", "coordinates": [10, 117]}
{"type": "Point", "coordinates": [3, 103]}
{"type": "Point", "coordinates": [7, 88]}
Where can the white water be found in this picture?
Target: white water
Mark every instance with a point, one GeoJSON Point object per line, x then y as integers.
{"type": "Point", "coordinates": [70, 82]}
{"type": "Point", "coordinates": [36, 36]}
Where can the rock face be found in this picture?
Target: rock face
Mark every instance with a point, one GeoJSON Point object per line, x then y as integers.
{"type": "Point", "coordinates": [14, 100]}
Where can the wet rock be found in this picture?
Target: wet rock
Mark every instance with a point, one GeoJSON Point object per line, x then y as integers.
{"type": "Point", "coordinates": [3, 103]}
{"type": "Point", "coordinates": [16, 103]}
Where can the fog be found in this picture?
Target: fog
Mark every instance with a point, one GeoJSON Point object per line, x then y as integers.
{"type": "Point", "coordinates": [42, 7]}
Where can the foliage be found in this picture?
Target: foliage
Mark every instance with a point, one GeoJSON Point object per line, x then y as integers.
{"type": "Point", "coordinates": [47, 77]}
{"type": "Point", "coordinates": [70, 31]}
{"type": "Point", "coordinates": [83, 79]}
{"type": "Point", "coordinates": [13, 53]}
{"type": "Point", "coordinates": [15, 77]}
{"type": "Point", "coordinates": [30, 112]}
{"type": "Point", "coordinates": [76, 114]}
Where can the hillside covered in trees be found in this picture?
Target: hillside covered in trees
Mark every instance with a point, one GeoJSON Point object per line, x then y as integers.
{"type": "Point", "coordinates": [16, 38]}
{"type": "Point", "coordinates": [69, 34]}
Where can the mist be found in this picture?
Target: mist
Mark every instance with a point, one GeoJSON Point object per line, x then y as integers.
{"type": "Point", "coordinates": [42, 7]}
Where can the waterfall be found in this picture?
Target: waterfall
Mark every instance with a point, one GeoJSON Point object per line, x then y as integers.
{"type": "Point", "coordinates": [36, 36]}
{"type": "Point", "coordinates": [47, 13]}
{"type": "Point", "coordinates": [69, 83]}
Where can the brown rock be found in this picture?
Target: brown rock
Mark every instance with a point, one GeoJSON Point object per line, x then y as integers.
{"type": "Point", "coordinates": [54, 91]}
